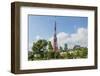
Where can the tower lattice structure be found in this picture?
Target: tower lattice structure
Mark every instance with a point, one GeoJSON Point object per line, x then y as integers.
{"type": "Point", "coordinates": [55, 45]}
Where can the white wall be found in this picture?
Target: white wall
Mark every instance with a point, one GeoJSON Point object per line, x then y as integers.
{"type": "Point", "coordinates": [5, 42]}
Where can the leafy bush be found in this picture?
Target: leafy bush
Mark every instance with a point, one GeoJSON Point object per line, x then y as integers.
{"type": "Point", "coordinates": [43, 50]}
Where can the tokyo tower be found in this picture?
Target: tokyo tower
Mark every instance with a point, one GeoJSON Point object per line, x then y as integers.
{"type": "Point", "coordinates": [55, 45]}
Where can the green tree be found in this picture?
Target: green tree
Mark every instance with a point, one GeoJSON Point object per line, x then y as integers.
{"type": "Point", "coordinates": [51, 55]}
{"type": "Point", "coordinates": [80, 53]}
{"type": "Point", "coordinates": [50, 50]}
{"type": "Point", "coordinates": [56, 55]}
{"type": "Point", "coordinates": [63, 55]}
{"type": "Point", "coordinates": [65, 47]}
{"type": "Point", "coordinates": [70, 55]}
{"type": "Point", "coordinates": [61, 49]}
{"type": "Point", "coordinates": [30, 55]}
{"type": "Point", "coordinates": [39, 48]}
{"type": "Point", "coordinates": [83, 52]}
{"type": "Point", "coordinates": [50, 45]}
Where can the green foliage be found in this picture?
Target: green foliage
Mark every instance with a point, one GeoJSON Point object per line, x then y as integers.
{"type": "Point", "coordinates": [63, 54]}
{"type": "Point", "coordinates": [65, 47]}
{"type": "Point", "coordinates": [50, 46]}
{"type": "Point", "coordinates": [43, 50]}
{"type": "Point", "coordinates": [61, 49]}
{"type": "Point", "coordinates": [30, 55]}
{"type": "Point", "coordinates": [56, 55]}
{"type": "Point", "coordinates": [39, 46]}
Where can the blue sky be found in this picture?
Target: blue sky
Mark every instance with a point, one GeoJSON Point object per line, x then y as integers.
{"type": "Point", "coordinates": [43, 26]}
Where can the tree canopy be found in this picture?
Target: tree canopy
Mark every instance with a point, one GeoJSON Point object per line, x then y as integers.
{"type": "Point", "coordinates": [43, 50]}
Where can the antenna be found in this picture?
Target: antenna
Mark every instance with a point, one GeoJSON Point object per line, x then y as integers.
{"type": "Point", "coordinates": [55, 45]}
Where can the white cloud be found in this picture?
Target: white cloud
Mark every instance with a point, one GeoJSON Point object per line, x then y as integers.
{"type": "Point", "coordinates": [78, 38]}
{"type": "Point", "coordinates": [38, 37]}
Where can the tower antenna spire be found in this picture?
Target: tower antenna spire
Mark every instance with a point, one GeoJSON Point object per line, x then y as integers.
{"type": "Point", "coordinates": [55, 45]}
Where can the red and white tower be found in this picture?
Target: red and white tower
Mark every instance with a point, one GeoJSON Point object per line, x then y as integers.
{"type": "Point", "coordinates": [55, 45]}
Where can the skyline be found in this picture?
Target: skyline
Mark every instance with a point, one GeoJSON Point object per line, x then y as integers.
{"type": "Point", "coordinates": [42, 27]}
